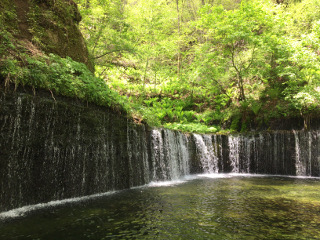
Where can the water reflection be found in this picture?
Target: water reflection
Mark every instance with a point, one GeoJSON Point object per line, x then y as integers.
{"type": "Point", "coordinates": [235, 207]}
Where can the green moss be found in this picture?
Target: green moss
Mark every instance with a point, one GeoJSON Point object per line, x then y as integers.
{"type": "Point", "coordinates": [192, 127]}
{"type": "Point", "coordinates": [52, 26]}
{"type": "Point", "coordinates": [244, 126]}
{"type": "Point", "coordinates": [8, 16]}
{"type": "Point", "coordinates": [38, 32]}
{"type": "Point", "coordinates": [235, 122]}
{"type": "Point", "coordinates": [62, 76]}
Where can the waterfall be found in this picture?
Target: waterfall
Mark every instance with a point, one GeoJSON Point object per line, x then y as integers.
{"type": "Point", "coordinates": [169, 155]}
{"type": "Point", "coordinates": [208, 158]}
{"type": "Point", "coordinates": [316, 155]}
{"type": "Point", "coordinates": [184, 156]}
{"type": "Point", "coordinates": [234, 154]}
{"type": "Point", "coordinates": [310, 153]}
{"type": "Point", "coordinates": [300, 159]}
{"type": "Point", "coordinates": [51, 150]}
{"type": "Point", "coordinates": [175, 145]}
{"type": "Point", "coordinates": [159, 165]}
{"type": "Point", "coordinates": [137, 149]}
{"type": "Point", "coordinates": [218, 150]}
{"type": "Point", "coordinates": [248, 150]}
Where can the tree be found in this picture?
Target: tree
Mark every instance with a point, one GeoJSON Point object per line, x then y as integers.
{"type": "Point", "coordinates": [235, 40]}
{"type": "Point", "coordinates": [105, 29]}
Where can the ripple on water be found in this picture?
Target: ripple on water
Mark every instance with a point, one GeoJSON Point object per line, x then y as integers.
{"type": "Point", "coordinates": [207, 206]}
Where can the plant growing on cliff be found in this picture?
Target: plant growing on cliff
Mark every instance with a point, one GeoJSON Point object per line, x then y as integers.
{"type": "Point", "coordinates": [61, 76]}
{"type": "Point", "coordinates": [228, 65]}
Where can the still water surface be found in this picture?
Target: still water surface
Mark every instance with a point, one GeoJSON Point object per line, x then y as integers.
{"type": "Point", "coordinates": [202, 207]}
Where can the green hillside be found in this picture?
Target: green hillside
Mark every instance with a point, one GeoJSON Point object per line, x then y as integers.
{"type": "Point", "coordinates": [191, 65]}
{"type": "Point", "coordinates": [208, 65]}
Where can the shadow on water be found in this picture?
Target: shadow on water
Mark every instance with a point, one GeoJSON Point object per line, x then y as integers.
{"type": "Point", "coordinates": [235, 207]}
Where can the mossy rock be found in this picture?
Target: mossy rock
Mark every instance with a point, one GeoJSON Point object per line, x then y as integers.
{"type": "Point", "coordinates": [8, 16]}
{"type": "Point", "coordinates": [50, 25]}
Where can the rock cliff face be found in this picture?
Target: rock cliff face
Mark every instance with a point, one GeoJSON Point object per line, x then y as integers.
{"type": "Point", "coordinates": [50, 26]}
{"type": "Point", "coordinates": [53, 149]}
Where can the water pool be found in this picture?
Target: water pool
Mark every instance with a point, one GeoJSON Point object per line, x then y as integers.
{"type": "Point", "coordinates": [218, 206]}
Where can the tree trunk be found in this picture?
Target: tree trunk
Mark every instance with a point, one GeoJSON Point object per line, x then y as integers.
{"type": "Point", "coordinates": [145, 75]}
{"type": "Point", "coordinates": [179, 33]}
{"type": "Point", "coordinates": [242, 96]}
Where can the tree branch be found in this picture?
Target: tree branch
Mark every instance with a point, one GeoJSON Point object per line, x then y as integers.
{"type": "Point", "coordinates": [252, 58]}
{"type": "Point", "coordinates": [222, 88]}
{"type": "Point", "coordinates": [232, 59]}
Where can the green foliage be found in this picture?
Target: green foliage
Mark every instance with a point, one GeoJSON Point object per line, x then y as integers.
{"type": "Point", "coordinates": [105, 30]}
{"type": "Point", "coordinates": [61, 76]}
{"type": "Point", "coordinates": [192, 127]}
{"type": "Point", "coordinates": [235, 122]}
{"type": "Point", "coordinates": [170, 110]}
{"type": "Point", "coordinates": [186, 65]}
{"type": "Point", "coordinates": [8, 16]}
{"type": "Point", "coordinates": [224, 64]}
{"type": "Point", "coordinates": [302, 15]}
{"type": "Point", "coordinates": [236, 49]}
